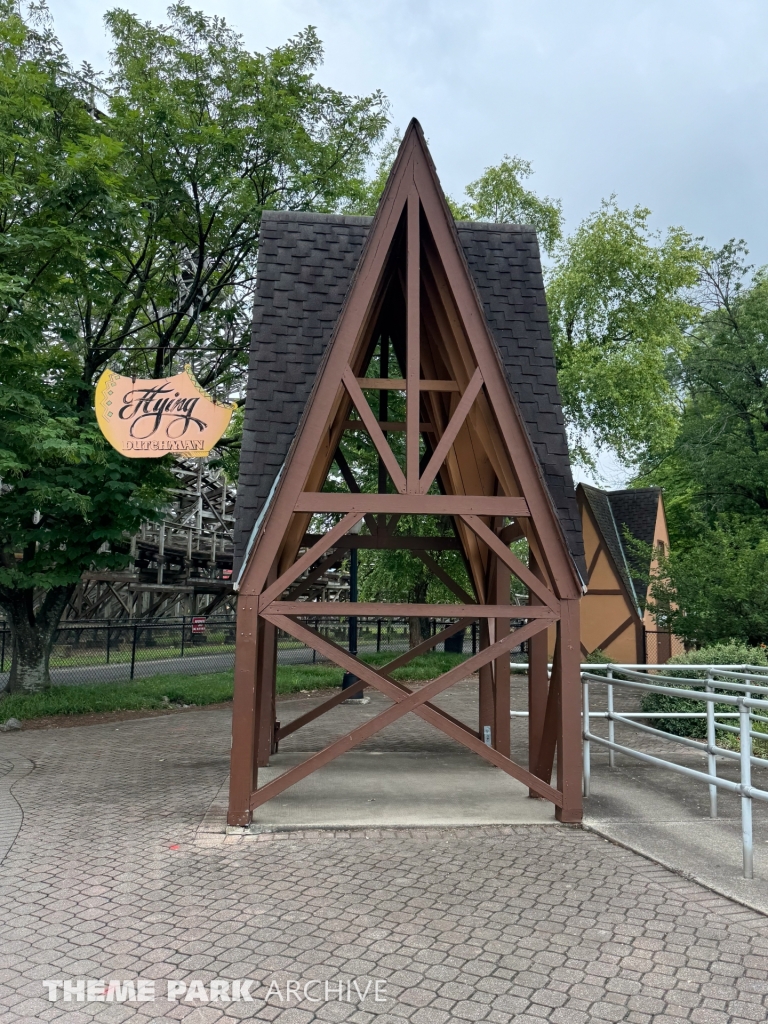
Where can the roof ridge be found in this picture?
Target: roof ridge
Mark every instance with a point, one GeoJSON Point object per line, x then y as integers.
{"type": "Point", "coordinates": [312, 216]}
{"type": "Point", "coordinates": [497, 225]}
{"type": "Point", "coordinates": [635, 490]}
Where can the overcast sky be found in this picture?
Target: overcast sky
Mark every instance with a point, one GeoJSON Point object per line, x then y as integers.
{"type": "Point", "coordinates": [662, 102]}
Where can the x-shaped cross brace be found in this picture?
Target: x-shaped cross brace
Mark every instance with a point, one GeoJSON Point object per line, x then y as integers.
{"type": "Point", "coordinates": [405, 700]}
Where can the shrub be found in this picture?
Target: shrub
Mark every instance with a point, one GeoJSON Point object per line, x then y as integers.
{"type": "Point", "coordinates": [732, 653]}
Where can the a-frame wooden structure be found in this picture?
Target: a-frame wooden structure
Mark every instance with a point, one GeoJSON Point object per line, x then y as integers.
{"type": "Point", "coordinates": [469, 457]}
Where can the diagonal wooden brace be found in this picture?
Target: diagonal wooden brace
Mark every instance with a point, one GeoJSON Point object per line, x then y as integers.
{"type": "Point", "coordinates": [371, 424]}
{"type": "Point", "coordinates": [403, 703]}
{"type": "Point", "coordinates": [403, 659]}
{"type": "Point", "coordinates": [522, 572]}
{"type": "Point", "coordinates": [309, 558]}
{"type": "Point", "coordinates": [455, 424]}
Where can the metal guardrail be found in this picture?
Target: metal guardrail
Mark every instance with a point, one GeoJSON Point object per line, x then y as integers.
{"type": "Point", "coordinates": [742, 682]}
{"type": "Point", "coordinates": [734, 686]}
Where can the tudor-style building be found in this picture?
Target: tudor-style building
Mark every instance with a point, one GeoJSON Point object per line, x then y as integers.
{"type": "Point", "coordinates": [614, 616]}
{"type": "Point", "coordinates": [461, 308]}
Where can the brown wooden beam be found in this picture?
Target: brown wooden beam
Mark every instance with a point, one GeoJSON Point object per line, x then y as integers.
{"type": "Point", "coordinates": [569, 764]}
{"type": "Point", "coordinates": [522, 572]}
{"type": "Point", "coordinates": [404, 703]}
{"type": "Point", "coordinates": [557, 558]}
{"type": "Point", "coordinates": [382, 610]}
{"type": "Point", "coordinates": [242, 776]}
{"type": "Point", "coordinates": [388, 541]}
{"type": "Point", "coordinates": [501, 673]}
{"type": "Point", "coordinates": [265, 694]}
{"type": "Point", "coordinates": [385, 671]}
{"type": "Point", "coordinates": [393, 426]}
{"type": "Point", "coordinates": [352, 484]}
{"type": "Point", "coordinates": [306, 584]}
{"type": "Point", "coordinates": [412, 342]}
{"type": "Point", "coordinates": [448, 581]}
{"type": "Point", "coordinates": [425, 645]}
{"type": "Point", "coordinates": [309, 558]}
{"type": "Point", "coordinates": [538, 685]}
{"type": "Point", "coordinates": [455, 424]}
{"type": "Point", "coordinates": [414, 504]}
{"type": "Point", "coordinates": [400, 384]}
{"type": "Point", "coordinates": [371, 424]}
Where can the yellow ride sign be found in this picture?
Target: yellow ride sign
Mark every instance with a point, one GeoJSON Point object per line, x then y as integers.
{"type": "Point", "coordinates": [146, 419]}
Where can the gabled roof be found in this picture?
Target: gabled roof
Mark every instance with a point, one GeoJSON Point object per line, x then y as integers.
{"type": "Point", "coordinates": [636, 511]}
{"type": "Point", "coordinates": [600, 505]}
{"type": "Point", "coordinates": [305, 266]}
{"type": "Point", "coordinates": [633, 511]}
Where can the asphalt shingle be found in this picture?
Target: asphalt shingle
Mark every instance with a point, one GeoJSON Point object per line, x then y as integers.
{"type": "Point", "coordinates": [305, 266]}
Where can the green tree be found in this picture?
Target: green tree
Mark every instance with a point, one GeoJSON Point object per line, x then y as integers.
{"type": "Point", "coordinates": [714, 470]}
{"type": "Point", "coordinates": [499, 196]}
{"type": "Point", "coordinates": [716, 590]}
{"type": "Point", "coordinates": [620, 304]}
{"type": "Point", "coordinates": [718, 459]}
{"type": "Point", "coordinates": [129, 216]}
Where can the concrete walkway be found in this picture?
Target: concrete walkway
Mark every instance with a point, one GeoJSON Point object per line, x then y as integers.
{"type": "Point", "coordinates": [405, 789]}
{"type": "Point", "coordinates": [653, 812]}
{"type": "Point", "coordinates": [121, 869]}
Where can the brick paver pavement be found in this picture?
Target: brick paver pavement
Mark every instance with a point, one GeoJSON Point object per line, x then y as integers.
{"type": "Point", "coordinates": [112, 877]}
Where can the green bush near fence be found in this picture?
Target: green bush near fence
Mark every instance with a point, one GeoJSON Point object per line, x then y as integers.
{"type": "Point", "coordinates": [159, 692]}
{"type": "Point", "coordinates": [733, 653]}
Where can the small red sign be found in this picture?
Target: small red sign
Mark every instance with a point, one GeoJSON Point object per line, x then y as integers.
{"type": "Point", "coordinates": [198, 623]}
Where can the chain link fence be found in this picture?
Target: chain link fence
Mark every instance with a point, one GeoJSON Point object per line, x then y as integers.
{"type": "Point", "coordinates": [111, 651]}
{"type": "Point", "coordinates": [661, 646]}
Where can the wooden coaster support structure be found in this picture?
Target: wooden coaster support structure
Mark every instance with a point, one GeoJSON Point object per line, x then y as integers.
{"type": "Point", "coordinates": [468, 456]}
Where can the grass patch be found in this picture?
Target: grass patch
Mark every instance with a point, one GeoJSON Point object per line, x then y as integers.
{"type": "Point", "coordinates": [426, 666]}
{"type": "Point", "coordinates": [294, 678]}
{"type": "Point", "coordinates": [140, 695]}
{"type": "Point", "coordinates": [159, 692]}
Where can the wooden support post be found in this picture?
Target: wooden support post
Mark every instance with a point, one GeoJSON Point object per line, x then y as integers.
{"type": "Point", "coordinates": [413, 345]}
{"type": "Point", "coordinates": [383, 402]}
{"type": "Point", "coordinates": [549, 732]}
{"type": "Point", "coordinates": [242, 777]}
{"type": "Point", "coordinates": [569, 766]}
{"type": "Point", "coordinates": [501, 674]}
{"type": "Point", "coordinates": [538, 684]}
{"type": "Point", "coordinates": [266, 694]}
{"type": "Point", "coordinates": [485, 714]}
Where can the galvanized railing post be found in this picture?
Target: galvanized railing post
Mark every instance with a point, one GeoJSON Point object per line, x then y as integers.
{"type": "Point", "coordinates": [745, 744]}
{"type": "Point", "coordinates": [711, 743]}
{"type": "Point", "coordinates": [585, 734]}
{"type": "Point", "coordinates": [611, 727]}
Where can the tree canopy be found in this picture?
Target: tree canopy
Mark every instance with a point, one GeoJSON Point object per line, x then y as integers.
{"type": "Point", "coordinates": [129, 214]}
{"type": "Point", "coordinates": [620, 304]}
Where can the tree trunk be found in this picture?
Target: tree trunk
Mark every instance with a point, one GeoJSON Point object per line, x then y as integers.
{"type": "Point", "coordinates": [419, 627]}
{"type": "Point", "coordinates": [414, 631]}
{"type": "Point", "coordinates": [32, 635]}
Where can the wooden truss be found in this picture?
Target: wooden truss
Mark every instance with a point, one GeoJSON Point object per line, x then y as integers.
{"type": "Point", "coordinates": [468, 457]}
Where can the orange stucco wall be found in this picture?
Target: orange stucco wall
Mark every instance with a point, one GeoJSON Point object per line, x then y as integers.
{"type": "Point", "coordinates": [603, 614]}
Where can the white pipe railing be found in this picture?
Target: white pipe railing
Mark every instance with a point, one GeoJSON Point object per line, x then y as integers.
{"type": "Point", "coordinates": [742, 682]}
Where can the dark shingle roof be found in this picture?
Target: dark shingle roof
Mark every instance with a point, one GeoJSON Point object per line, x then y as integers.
{"type": "Point", "coordinates": [600, 504]}
{"type": "Point", "coordinates": [618, 512]}
{"type": "Point", "coordinates": [305, 265]}
{"type": "Point", "coordinates": [635, 511]}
